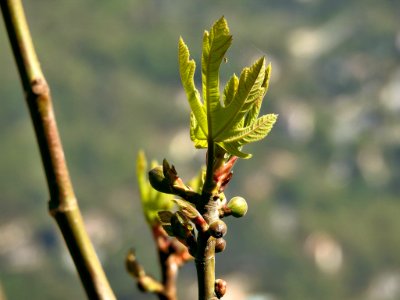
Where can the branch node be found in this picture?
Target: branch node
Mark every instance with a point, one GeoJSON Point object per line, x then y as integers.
{"type": "Point", "coordinates": [62, 207]}
{"type": "Point", "coordinates": [39, 87]}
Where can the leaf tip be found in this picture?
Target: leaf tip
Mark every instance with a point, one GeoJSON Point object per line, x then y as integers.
{"type": "Point", "coordinates": [141, 161]}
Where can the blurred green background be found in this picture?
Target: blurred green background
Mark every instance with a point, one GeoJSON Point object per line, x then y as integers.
{"type": "Point", "coordinates": [323, 188]}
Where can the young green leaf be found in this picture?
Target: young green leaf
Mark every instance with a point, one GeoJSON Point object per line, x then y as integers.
{"type": "Point", "coordinates": [234, 148]}
{"type": "Point", "coordinates": [141, 171]}
{"type": "Point", "coordinates": [230, 90]}
{"type": "Point", "coordinates": [197, 182]}
{"type": "Point", "coordinates": [187, 67]}
{"type": "Point", "coordinates": [249, 89]}
{"type": "Point", "coordinates": [255, 108]}
{"type": "Point", "coordinates": [196, 134]}
{"type": "Point", "coordinates": [232, 121]}
{"type": "Point", "coordinates": [215, 45]}
{"type": "Point", "coordinates": [152, 200]}
{"type": "Point", "coordinates": [254, 132]}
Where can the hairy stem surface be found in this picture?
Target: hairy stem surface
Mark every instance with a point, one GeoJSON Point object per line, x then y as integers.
{"type": "Point", "coordinates": [63, 205]}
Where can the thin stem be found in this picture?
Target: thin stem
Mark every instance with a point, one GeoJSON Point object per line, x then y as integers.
{"type": "Point", "coordinates": [205, 266]}
{"type": "Point", "coordinates": [205, 255]}
{"type": "Point", "coordinates": [63, 205]}
{"type": "Point", "coordinates": [169, 266]}
{"type": "Point", "coordinates": [172, 255]}
{"type": "Point", "coordinates": [208, 182]}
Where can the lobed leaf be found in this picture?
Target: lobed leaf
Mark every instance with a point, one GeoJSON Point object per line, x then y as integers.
{"type": "Point", "coordinates": [255, 108]}
{"type": "Point", "coordinates": [196, 134]}
{"type": "Point", "coordinates": [254, 132]}
{"type": "Point", "coordinates": [215, 45]}
{"type": "Point", "coordinates": [187, 67]}
{"type": "Point", "coordinates": [230, 90]}
{"type": "Point", "coordinates": [249, 88]}
{"type": "Point", "coordinates": [234, 148]}
{"type": "Point", "coordinates": [233, 121]}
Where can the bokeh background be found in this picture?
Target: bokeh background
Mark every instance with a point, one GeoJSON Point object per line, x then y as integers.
{"type": "Point", "coordinates": [323, 188]}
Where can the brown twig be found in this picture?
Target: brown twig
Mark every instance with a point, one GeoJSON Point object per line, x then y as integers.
{"type": "Point", "coordinates": [63, 205]}
{"type": "Point", "coordinates": [172, 254]}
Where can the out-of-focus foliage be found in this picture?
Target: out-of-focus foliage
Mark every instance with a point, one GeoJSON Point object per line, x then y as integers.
{"type": "Point", "coordinates": [323, 192]}
{"type": "Point", "coordinates": [152, 200]}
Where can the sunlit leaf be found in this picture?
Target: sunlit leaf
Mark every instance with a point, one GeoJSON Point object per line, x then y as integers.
{"type": "Point", "coordinates": [215, 44]}
{"type": "Point", "coordinates": [196, 134]}
{"type": "Point", "coordinates": [248, 90]}
{"type": "Point", "coordinates": [187, 67]}
{"type": "Point", "coordinates": [234, 148]}
{"type": "Point", "coordinates": [255, 108]}
{"type": "Point", "coordinates": [254, 132]}
{"type": "Point", "coordinates": [230, 121]}
{"type": "Point", "coordinates": [230, 90]}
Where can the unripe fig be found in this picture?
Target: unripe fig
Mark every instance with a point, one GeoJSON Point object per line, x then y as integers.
{"type": "Point", "coordinates": [220, 288]}
{"type": "Point", "coordinates": [217, 229]}
{"type": "Point", "coordinates": [238, 207]}
{"type": "Point", "coordinates": [220, 245]}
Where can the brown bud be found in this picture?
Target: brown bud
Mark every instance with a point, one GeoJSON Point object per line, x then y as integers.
{"type": "Point", "coordinates": [220, 245]}
{"type": "Point", "coordinates": [220, 288]}
{"type": "Point", "coordinates": [218, 229]}
{"type": "Point", "coordinates": [141, 286]}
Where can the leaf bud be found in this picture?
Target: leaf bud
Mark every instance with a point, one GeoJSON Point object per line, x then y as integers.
{"type": "Point", "coordinates": [220, 288]}
{"type": "Point", "coordinates": [238, 207]}
{"type": "Point", "coordinates": [220, 245]}
{"type": "Point", "coordinates": [158, 181]}
{"type": "Point", "coordinates": [218, 229]}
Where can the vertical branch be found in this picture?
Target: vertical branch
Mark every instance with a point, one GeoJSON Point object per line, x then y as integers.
{"type": "Point", "coordinates": [205, 266]}
{"type": "Point", "coordinates": [205, 256]}
{"type": "Point", "coordinates": [208, 182]}
{"type": "Point", "coordinates": [63, 205]}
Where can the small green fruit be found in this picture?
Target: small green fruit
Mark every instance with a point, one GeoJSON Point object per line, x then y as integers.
{"type": "Point", "coordinates": [238, 207]}
{"type": "Point", "coordinates": [218, 229]}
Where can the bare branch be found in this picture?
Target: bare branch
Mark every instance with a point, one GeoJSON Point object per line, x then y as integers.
{"type": "Point", "coordinates": [63, 205]}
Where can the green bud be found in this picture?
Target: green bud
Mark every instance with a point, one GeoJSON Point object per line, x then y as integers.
{"type": "Point", "coordinates": [181, 227]}
{"type": "Point", "coordinates": [218, 229]}
{"type": "Point", "coordinates": [158, 181]}
{"type": "Point", "coordinates": [220, 245]}
{"type": "Point", "coordinates": [177, 227]}
{"type": "Point", "coordinates": [165, 216]}
{"type": "Point", "coordinates": [238, 207]}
